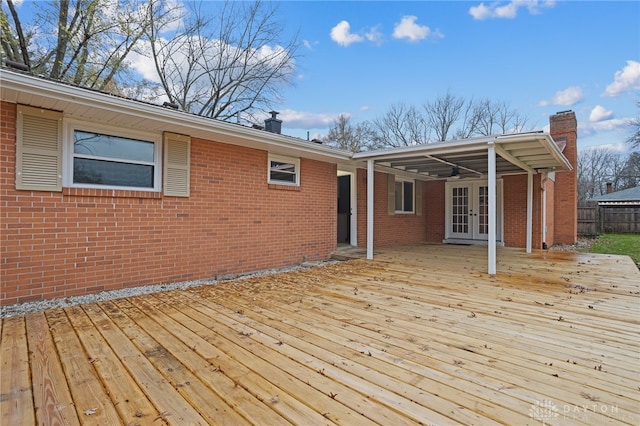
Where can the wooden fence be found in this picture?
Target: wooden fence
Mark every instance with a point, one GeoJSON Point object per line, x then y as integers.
{"type": "Point", "coordinates": [595, 220]}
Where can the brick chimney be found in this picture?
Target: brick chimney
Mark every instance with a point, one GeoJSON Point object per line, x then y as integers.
{"type": "Point", "coordinates": [273, 124]}
{"type": "Point", "coordinates": [609, 187]}
{"type": "Point", "coordinates": [564, 127]}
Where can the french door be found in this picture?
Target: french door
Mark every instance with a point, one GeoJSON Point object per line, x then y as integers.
{"type": "Point", "coordinates": [467, 211]}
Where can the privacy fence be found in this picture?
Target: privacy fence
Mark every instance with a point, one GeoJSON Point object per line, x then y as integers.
{"type": "Point", "coordinates": [608, 219]}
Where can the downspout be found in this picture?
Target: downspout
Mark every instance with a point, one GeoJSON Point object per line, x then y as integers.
{"type": "Point", "coordinates": [491, 242]}
{"type": "Point", "coordinates": [543, 184]}
{"type": "Point", "coordinates": [529, 210]}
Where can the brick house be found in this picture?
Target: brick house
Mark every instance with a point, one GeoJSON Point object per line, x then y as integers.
{"type": "Point", "coordinates": [99, 192]}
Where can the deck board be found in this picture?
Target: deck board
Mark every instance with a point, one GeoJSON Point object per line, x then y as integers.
{"type": "Point", "coordinates": [125, 394]}
{"type": "Point", "coordinates": [51, 395]}
{"type": "Point", "coordinates": [89, 397]}
{"type": "Point", "coordinates": [421, 335]}
{"type": "Point", "coordinates": [16, 398]}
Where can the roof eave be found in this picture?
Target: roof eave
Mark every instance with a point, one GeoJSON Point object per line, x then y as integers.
{"type": "Point", "coordinates": [547, 141]}
{"type": "Point", "coordinates": [232, 133]}
{"type": "Point", "coordinates": [435, 148]}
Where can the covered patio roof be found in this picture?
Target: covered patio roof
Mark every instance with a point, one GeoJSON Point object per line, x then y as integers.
{"type": "Point", "coordinates": [485, 157]}
{"type": "Point", "coordinates": [518, 153]}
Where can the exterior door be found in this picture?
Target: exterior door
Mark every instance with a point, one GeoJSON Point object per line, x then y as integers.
{"type": "Point", "coordinates": [344, 209]}
{"type": "Point", "coordinates": [467, 211]}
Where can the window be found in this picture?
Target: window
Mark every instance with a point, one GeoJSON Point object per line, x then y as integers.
{"type": "Point", "coordinates": [404, 195]}
{"type": "Point", "coordinates": [284, 170]}
{"type": "Point", "coordinates": [107, 159]}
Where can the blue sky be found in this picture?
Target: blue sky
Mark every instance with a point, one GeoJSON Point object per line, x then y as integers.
{"type": "Point", "coordinates": [361, 57]}
{"type": "Point", "coordinates": [540, 57]}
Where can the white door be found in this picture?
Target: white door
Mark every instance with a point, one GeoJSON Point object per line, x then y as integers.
{"type": "Point", "coordinates": [467, 210]}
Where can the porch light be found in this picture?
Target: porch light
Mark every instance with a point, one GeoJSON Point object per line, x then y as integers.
{"type": "Point", "coordinates": [455, 172]}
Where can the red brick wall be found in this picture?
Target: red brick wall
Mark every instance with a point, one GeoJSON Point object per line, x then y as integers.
{"type": "Point", "coordinates": [551, 228]}
{"type": "Point", "coordinates": [515, 211]}
{"type": "Point", "coordinates": [434, 197]}
{"type": "Point", "coordinates": [83, 241]}
{"type": "Point", "coordinates": [564, 125]}
{"type": "Point", "coordinates": [388, 230]}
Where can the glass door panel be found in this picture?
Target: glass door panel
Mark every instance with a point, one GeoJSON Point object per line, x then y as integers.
{"type": "Point", "coordinates": [460, 225]}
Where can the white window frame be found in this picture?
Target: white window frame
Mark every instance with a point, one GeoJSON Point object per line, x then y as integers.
{"type": "Point", "coordinates": [284, 159]}
{"type": "Point", "coordinates": [413, 195]}
{"type": "Point", "coordinates": [70, 126]}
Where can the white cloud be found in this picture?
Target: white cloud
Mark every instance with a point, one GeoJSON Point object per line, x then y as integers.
{"type": "Point", "coordinates": [599, 113]}
{"type": "Point", "coordinates": [342, 35]}
{"type": "Point", "coordinates": [306, 120]}
{"type": "Point", "coordinates": [143, 64]}
{"type": "Point", "coordinates": [616, 147]}
{"type": "Point", "coordinates": [605, 125]}
{"type": "Point", "coordinates": [610, 133]}
{"type": "Point", "coordinates": [407, 28]}
{"type": "Point", "coordinates": [567, 97]}
{"type": "Point", "coordinates": [509, 10]}
{"type": "Point", "coordinates": [310, 44]}
{"type": "Point", "coordinates": [624, 80]}
{"type": "Point", "coordinates": [480, 12]}
{"type": "Point", "coordinates": [374, 35]}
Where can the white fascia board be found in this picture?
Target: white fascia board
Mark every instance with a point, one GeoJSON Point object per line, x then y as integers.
{"type": "Point", "coordinates": [436, 148]}
{"type": "Point", "coordinates": [40, 87]}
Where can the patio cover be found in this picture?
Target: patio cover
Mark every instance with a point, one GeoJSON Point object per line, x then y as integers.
{"type": "Point", "coordinates": [484, 157]}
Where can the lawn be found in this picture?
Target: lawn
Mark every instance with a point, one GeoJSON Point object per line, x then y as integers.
{"type": "Point", "coordinates": [627, 244]}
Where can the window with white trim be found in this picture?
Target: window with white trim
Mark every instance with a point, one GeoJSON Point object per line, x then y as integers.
{"type": "Point", "coordinates": [105, 158]}
{"type": "Point", "coordinates": [404, 195]}
{"type": "Point", "coordinates": [284, 170]}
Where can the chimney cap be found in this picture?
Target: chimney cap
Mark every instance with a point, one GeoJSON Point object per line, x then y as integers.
{"type": "Point", "coordinates": [171, 105]}
{"type": "Point", "coordinates": [274, 113]}
{"type": "Point", "coordinates": [273, 124]}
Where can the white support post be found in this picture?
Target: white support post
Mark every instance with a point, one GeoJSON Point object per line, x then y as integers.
{"type": "Point", "coordinates": [529, 210]}
{"type": "Point", "coordinates": [491, 163]}
{"type": "Point", "coordinates": [370, 210]}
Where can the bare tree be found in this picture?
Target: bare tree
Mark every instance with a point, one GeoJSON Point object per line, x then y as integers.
{"type": "Point", "coordinates": [224, 62]}
{"type": "Point", "coordinates": [14, 41]}
{"type": "Point", "coordinates": [217, 59]}
{"type": "Point", "coordinates": [634, 139]}
{"type": "Point", "coordinates": [401, 125]}
{"type": "Point", "coordinates": [470, 121]}
{"type": "Point", "coordinates": [443, 113]}
{"type": "Point", "coordinates": [599, 166]}
{"type": "Point", "coordinates": [630, 173]}
{"type": "Point", "coordinates": [596, 167]}
{"type": "Point", "coordinates": [488, 117]}
{"type": "Point", "coordinates": [344, 135]}
{"type": "Point", "coordinates": [447, 117]}
{"type": "Point", "coordinates": [85, 42]}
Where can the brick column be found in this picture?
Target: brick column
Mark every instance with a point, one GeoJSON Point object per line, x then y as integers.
{"type": "Point", "coordinates": [564, 130]}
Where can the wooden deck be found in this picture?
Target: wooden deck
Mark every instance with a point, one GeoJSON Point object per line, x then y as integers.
{"type": "Point", "coordinates": [421, 335]}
